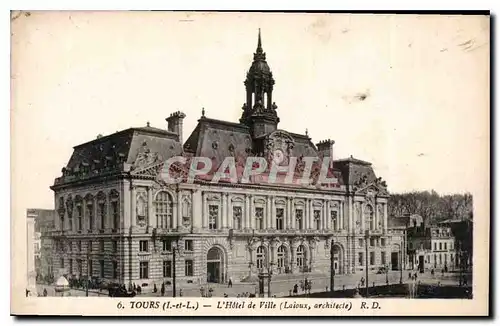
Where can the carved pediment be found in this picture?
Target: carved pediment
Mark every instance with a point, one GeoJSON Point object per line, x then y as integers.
{"type": "Point", "coordinates": [371, 190]}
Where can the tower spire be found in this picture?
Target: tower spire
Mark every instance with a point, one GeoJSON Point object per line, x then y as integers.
{"type": "Point", "coordinates": [259, 44]}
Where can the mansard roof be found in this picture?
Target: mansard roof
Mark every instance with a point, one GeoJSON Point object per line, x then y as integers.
{"type": "Point", "coordinates": [111, 154]}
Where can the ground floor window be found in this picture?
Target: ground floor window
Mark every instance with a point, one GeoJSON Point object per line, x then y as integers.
{"type": "Point", "coordinates": [115, 269]}
{"type": "Point", "coordinates": [167, 268]}
{"type": "Point", "coordinates": [382, 258]}
{"type": "Point", "coordinates": [301, 257]}
{"type": "Point", "coordinates": [188, 268]}
{"type": "Point", "coordinates": [281, 258]}
{"type": "Point", "coordinates": [261, 257]}
{"type": "Point", "coordinates": [101, 267]}
{"type": "Point", "coordinates": [144, 269]}
{"type": "Point", "coordinates": [360, 258]}
{"type": "Point", "coordinates": [372, 258]}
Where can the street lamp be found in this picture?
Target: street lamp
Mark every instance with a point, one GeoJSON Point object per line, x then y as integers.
{"type": "Point", "coordinates": [401, 264]}
{"type": "Point", "coordinates": [332, 269]}
{"type": "Point", "coordinates": [387, 274]}
{"type": "Point", "coordinates": [367, 237]}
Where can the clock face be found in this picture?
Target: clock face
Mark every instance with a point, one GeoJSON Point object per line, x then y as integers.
{"type": "Point", "coordinates": [278, 156]}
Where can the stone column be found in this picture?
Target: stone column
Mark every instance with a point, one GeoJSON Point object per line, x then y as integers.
{"type": "Point", "coordinates": [307, 208]}
{"type": "Point", "coordinates": [311, 215]}
{"type": "Point", "coordinates": [151, 218]}
{"type": "Point", "coordinates": [293, 251]}
{"type": "Point", "coordinates": [292, 210]}
{"type": "Point", "coordinates": [204, 208]}
{"type": "Point", "coordinates": [341, 214]}
{"type": "Point", "coordinates": [273, 213]}
{"type": "Point", "coordinates": [362, 216]}
{"type": "Point", "coordinates": [230, 216]}
{"type": "Point", "coordinates": [179, 209]}
{"type": "Point", "coordinates": [133, 202]}
{"type": "Point", "coordinates": [246, 219]}
{"type": "Point", "coordinates": [251, 214]}
{"type": "Point", "coordinates": [384, 218]}
{"type": "Point", "coordinates": [197, 210]}
{"type": "Point", "coordinates": [224, 211]}
{"type": "Point", "coordinates": [325, 218]}
{"type": "Point", "coordinates": [350, 223]}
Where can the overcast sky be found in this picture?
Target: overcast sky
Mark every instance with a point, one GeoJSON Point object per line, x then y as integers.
{"type": "Point", "coordinates": [409, 93]}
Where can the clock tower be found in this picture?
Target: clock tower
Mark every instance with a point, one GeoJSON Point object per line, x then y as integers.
{"type": "Point", "coordinates": [259, 110]}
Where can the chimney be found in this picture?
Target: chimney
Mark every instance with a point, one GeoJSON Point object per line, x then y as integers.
{"type": "Point", "coordinates": [325, 149]}
{"type": "Point", "coordinates": [175, 123]}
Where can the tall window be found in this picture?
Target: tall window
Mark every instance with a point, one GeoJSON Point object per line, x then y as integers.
{"type": "Point", "coordinates": [167, 268]}
{"type": "Point", "coordinates": [89, 246]}
{"type": "Point", "coordinates": [360, 258]}
{"type": "Point", "coordinates": [259, 218]}
{"type": "Point", "coordinates": [115, 246]}
{"type": "Point", "coordinates": [382, 258]}
{"type": "Point", "coordinates": [301, 257]}
{"type": "Point", "coordinates": [90, 214]}
{"type": "Point", "coordinates": [317, 219]}
{"type": "Point", "coordinates": [213, 214]}
{"type": "Point", "coordinates": [382, 242]}
{"type": "Point", "coordinates": [334, 220]}
{"type": "Point", "coordinates": [369, 217]}
{"type": "Point", "coordinates": [440, 246]}
{"type": "Point", "coordinates": [237, 217]}
{"type": "Point", "coordinates": [167, 245]}
{"type": "Point", "coordinates": [372, 258]}
{"type": "Point", "coordinates": [101, 267]}
{"type": "Point", "coordinates": [70, 266]}
{"type": "Point", "coordinates": [102, 212]}
{"type": "Point", "coordinates": [445, 246]}
{"type": "Point", "coordinates": [188, 267]}
{"type": "Point", "coordinates": [280, 212]}
{"type": "Point", "coordinates": [435, 246]}
{"type": "Point", "coordinates": [163, 209]}
{"type": "Point", "coordinates": [299, 213]}
{"type": "Point", "coordinates": [188, 245]}
{"type": "Point", "coordinates": [143, 246]}
{"type": "Point", "coordinates": [79, 217]}
{"type": "Point", "coordinates": [144, 269]}
{"type": "Point", "coordinates": [115, 269]}
{"type": "Point", "coordinates": [90, 268]}
{"type": "Point", "coordinates": [79, 246]}
{"type": "Point", "coordinates": [116, 215]}
{"type": "Point", "coordinates": [101, 245]}
{"type": "Point", "coordinates": [261, 257]}
{"type": "Point", "coordinates": [79, 266]}
{"type": "Point", "coordinates": [281, 258]}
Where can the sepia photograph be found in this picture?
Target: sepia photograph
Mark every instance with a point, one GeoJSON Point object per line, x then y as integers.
{"type": "Point", "coordinates": [302, 163]}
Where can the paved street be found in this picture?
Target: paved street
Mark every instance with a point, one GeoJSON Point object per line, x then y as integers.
{"type": "Point", "coordinates": [283, 288]}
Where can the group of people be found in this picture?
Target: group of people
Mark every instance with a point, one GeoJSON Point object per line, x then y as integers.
{"type": "Point", "coordinates": [305, 287]}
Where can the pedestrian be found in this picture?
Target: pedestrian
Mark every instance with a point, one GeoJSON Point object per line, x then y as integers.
{"type": "Point", "coordinates": [295, 289]}
{"type": "Point", "coordinates": [154, 288]}
{"type": "Point", "coordinates": [202, 292]}
{"type": "Point", "coordinates": [162, 289]}
{"type": "Point", "coordinates": [225, 295]}
{"type": "Point", "coordinates": [180, 292]}
{"type": "Point", "coordinates": [44, 292]}
{"type": "Point", "coordinates": [230, 283]}
{"type": "Point", "coordinates": [362, 281]}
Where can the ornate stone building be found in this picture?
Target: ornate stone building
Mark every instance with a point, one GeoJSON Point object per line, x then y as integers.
{"type": "Point", "coordinates": [119, 220]}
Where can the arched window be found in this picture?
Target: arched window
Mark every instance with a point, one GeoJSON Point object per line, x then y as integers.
{"type": "Point", "coordinates": [163, 210]}
{"type": "Point", "coordinates": [261, 257]}
{"type": "Point", "coordinates": [301, 257]}
{"type": "Point", "coordinates": [281, 259]}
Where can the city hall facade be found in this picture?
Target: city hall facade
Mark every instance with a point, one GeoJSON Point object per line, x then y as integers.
{"type": "Point", "coordinates": [119, 221]}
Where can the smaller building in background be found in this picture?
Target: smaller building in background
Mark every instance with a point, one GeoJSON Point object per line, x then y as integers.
{"type": "Point", "coordinates": [431, 248]}
{"type": "Point", "coordinates": [462, 232]}
{"type": "Point", "coordinates": [42, 242]}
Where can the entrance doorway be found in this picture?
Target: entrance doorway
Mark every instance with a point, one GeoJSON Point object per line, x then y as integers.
{"type": "Point", "coordinates": [421, 265]}
{"type": "Point", "coordinates": [395, 261]}
{"type": "Point", "coordinates": [337, 259]}
{"type": "Point", "coordinates": [215, 266]}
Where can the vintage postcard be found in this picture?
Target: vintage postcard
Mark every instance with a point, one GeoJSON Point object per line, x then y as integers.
{"type": "Point", "coordinates": [246, 164]}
